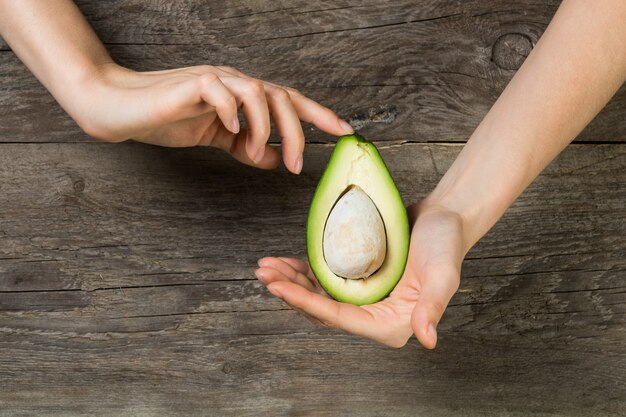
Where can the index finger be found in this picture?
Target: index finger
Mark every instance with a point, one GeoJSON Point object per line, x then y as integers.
{"type": "Point", "coordinates": [319, 116]}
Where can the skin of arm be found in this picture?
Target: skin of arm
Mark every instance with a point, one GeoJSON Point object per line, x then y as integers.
{"type": "Point", "coordinates": [576, 67]}
{"type": "Point", "coordinates": [181, 107]}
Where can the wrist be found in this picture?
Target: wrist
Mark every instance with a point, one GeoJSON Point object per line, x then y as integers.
{"type": "Point", "coordinates": [433, 205]}
{"type": "Point", "coordinates": [89, 94]}
{"type": "Point", "coordinates": [486, 177]}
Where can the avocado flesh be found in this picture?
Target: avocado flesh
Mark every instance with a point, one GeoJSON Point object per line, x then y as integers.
{"type": "Point", "coordinates": [356, 162]}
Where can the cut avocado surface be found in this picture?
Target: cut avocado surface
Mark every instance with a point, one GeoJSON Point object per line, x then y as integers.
{"type": "Point", "coordinates": [357, 228]}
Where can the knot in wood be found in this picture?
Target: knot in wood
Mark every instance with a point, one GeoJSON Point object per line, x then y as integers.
{"type": "Point", "coordinates": [79, 186]}
{"type": "Point", "coordinates": [510, 50]}
{"type": "Point", "coordinates": [385, 114]}
{"type": "Point", "coordinates": [227, 368]}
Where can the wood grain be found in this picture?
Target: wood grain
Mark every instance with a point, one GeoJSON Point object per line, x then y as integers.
{"type": "Point", "coordinates": [126, 271]}
{"type": "Point", "coordinates": [439, 65]}
{"type": "Point", "coordinates": [127, 289]}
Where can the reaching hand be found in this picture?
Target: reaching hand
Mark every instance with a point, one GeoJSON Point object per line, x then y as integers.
{"type": "Point", "coordinates": [415, 306]}
{"type": "Point", "coordinates": [198, 106]}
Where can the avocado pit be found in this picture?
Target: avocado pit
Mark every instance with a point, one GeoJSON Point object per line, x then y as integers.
{"type": "Point", "coordinates": [355, 241]}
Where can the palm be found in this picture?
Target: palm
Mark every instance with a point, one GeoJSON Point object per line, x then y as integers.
{"type": "Point", "coordinates": [429, 280]}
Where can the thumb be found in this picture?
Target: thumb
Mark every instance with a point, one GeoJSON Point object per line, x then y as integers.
{"type": "Point", "coordinates": [438, 285]}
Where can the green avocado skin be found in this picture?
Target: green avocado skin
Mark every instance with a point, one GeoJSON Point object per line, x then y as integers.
{"type": "Point", "coordinates": [381, 283]}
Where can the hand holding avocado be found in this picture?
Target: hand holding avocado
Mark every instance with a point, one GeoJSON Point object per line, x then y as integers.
{"type": "Point", "coordinates": [414, 306]}
{"type": "Point", "coordinates": [358, 242]}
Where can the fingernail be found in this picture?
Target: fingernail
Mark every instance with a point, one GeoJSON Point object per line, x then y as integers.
{"type": "Point", "coordinates": [261, 262]}
{"type": "Point", "coordinates": [298, 167]}
{"type": "Point", "coordinates": [346, 126]}
{"type": "Point", "coordinates": [432, 333]}
{"type": "Point", "coordinates": [234, 125]}
{"type": "Point", "coordinates": [258, 155]}
{"type": "Point", "coordinates": [273, 290]}
{"type": "Point", "coordinates": [259, 276]}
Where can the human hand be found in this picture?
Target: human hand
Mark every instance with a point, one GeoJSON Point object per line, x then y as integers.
{"type": "Point", "coordinates": [416, 304]}
{"type": "Point", "coordinates": [198, 106]}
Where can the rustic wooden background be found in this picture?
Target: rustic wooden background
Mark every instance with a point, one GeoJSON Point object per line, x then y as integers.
{"type": "Point", "coordinates": [126, 271]}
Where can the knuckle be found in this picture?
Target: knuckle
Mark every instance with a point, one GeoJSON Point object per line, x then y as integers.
{"type": "Point", "coordinates": [279, 94]}
{"type": "Point", "coordinates": [226, 68]}
{"type": "Point", "coordinates": [205, 68]}
{"type": "Point", "coordinates": [292, 91]}
{"type": "Point", "coordinates": [207, 80]}
{"type": "Point", "coordinates": [255, 87]}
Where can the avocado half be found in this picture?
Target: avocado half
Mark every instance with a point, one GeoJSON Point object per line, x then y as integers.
{"type": "Point", "coordinates": [355, 162]}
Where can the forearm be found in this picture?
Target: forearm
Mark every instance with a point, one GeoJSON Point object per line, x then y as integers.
{"type": "Point", "coordinates": [573, 71]}
{"type": "Point", "coordinates": [56, 43]}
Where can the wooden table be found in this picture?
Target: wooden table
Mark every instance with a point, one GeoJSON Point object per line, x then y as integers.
{"type": "Point", "coordinates": [126, 271]}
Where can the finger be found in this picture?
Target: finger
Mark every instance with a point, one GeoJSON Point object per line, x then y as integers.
{"type": "Point", "coordinates": [215, 93]}
{"type": "Point", "coordinates": [235, 145]}
{"type": "Point", "coordinates": [291, 267]}
{"type": "Point", "coordinates": [438, 285]}
{"type": "Point", "coordinates": [279, 264]}
{"type": "Point", "coordinates": [299, 265]}
{"type": "Point", "coordinates": [196, 96]}
{"type": "Point", "coordinates": [251, 94]}
{"type": "Point", "coordinates": [308, 110]}
{"type": "Point", "coordinates": [321, 117]}
{"type": "Point", "coordinates": [285, 273]}
{"type": "Point", "coordinates": [304, 268]}
{"type": "Point", "coordinates": [331, 313]}
{"type": "Point", "coordinates": [288, 127]}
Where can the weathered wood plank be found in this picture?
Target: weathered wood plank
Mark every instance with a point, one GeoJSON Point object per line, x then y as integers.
{"type": "Point", "coordinates": [209, 23]}
{"type": "Point", "coordinates": [436, 67]}
{"type": "Point", "coordinates": [168, 373]}
{"type": "Point", "coordinates": [126, 288]}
